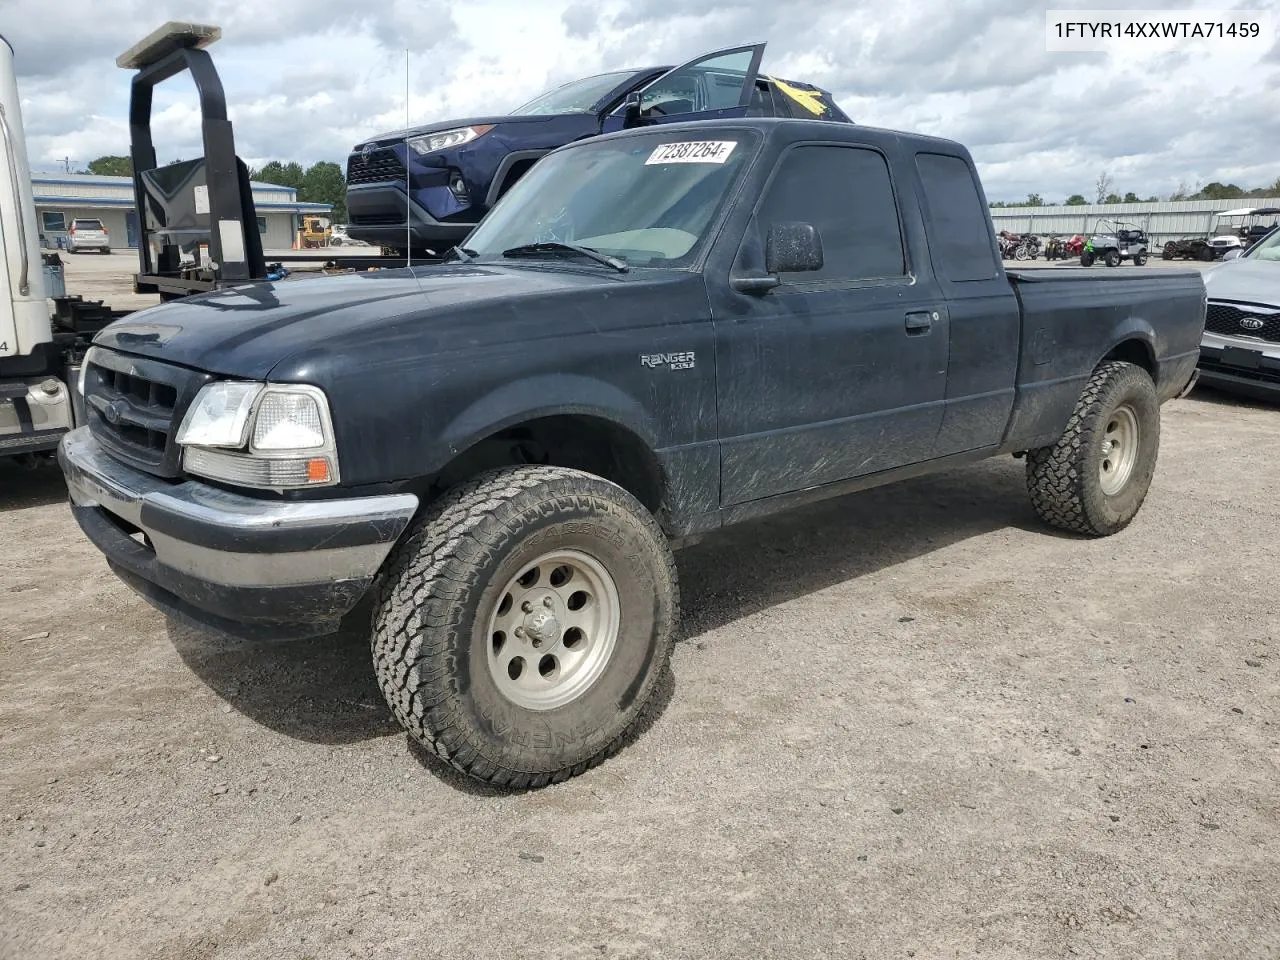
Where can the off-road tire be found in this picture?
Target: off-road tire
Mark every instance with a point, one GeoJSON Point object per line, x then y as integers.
{"type": "Point", "coordinates": [1063, 479]}
{"type": "Point", "coordinates": [1086, 259]}
{"type": "Point", "coordinates": [1139, 259]}
{"type": "Point", "coordinates": [430, 623]}
{"type": "Point", "coordinates": [1111, 258]}
{"type": "Point", "coordinates": [1168, 251]}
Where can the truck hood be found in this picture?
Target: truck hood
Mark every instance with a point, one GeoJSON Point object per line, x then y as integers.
{"type": "Point", "coordinates": [248, 331]}
{"type": "Point", "coordinates": [1250, 281]}
{"type": "Point", "coordinates": [396, 136]}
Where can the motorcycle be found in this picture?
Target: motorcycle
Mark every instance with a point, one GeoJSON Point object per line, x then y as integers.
{"type": "Point", "coordinates": [1009, 243]}
{"type": "Point", "coordinates": [1074, 246]}
{"type": "Point", "coordinates": [1054, 248]}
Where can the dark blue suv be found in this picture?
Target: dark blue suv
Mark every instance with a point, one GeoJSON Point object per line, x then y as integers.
{"type": "Point", "coordinates": [427, 187]}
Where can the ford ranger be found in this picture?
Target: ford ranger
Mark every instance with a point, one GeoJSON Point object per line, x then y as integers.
{"type": "Point", "coordinates": [655, 334]}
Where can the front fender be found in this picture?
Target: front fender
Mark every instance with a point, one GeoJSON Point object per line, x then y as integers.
{"type": "Point", "coordinates": [543, 395]}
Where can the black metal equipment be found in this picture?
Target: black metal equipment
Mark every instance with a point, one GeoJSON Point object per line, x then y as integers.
{"type": "Point", "coordinates": [208, 202]}
{"type": "Point", "coordinates": [208, 199]}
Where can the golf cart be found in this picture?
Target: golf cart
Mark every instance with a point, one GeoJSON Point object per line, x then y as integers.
{"type": "Point", "coordinates": [1244, 229]}
{"type": "Point", "coordinates": [1115, 241]}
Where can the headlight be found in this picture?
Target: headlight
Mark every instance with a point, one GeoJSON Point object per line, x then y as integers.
{"type": "Point", "coordinates": [431, 142]}
{"type": "Point", "coordinates": [219, 416]}
{"type": "Point", "coordinates": [273, 436]}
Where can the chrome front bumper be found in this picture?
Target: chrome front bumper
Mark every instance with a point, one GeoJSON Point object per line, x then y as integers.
{"type": "Point", "coordinates": [225, 559]}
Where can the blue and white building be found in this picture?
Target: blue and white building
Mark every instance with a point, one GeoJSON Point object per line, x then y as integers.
{"type": "Point", "coordinates": [61, 198]}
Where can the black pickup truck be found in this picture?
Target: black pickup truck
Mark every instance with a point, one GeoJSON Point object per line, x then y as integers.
{"type": "Point", "coordinates": [655, 334]}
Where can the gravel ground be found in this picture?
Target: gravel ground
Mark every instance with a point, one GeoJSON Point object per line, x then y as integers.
{"type": "Point", "coordinates": [910, 722]}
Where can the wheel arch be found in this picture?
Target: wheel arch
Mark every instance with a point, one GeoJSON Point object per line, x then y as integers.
{"type": "Point", "coordinates": [601, 430]}
{"type": "Point", "coordinates": [1136, 345]}
{"type": "Point", "coordinates": [513, 166]}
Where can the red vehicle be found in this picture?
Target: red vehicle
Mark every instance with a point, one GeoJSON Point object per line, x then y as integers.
{"type": "Point", "coordinates": [1075, 245]}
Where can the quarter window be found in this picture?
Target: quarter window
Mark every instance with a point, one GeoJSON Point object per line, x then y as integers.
{"type": "Point", "coordinates": [960, 238]}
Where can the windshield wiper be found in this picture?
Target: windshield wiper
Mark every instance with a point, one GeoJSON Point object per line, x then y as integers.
{"type": "Point", "coordinates": [462, 253]}
{"type": "Point", "coordinates": [555, 246]}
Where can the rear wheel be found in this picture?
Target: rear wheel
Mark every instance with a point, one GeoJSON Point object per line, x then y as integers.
{"type": "Point", "coordinates": [1095, 478]}
{"type": "Point", "coordinates": [1140, 258]}
{"type": "Point", "coordinates": [1168, 251]}
{"type": "Point", "coordinates": [524, 623]}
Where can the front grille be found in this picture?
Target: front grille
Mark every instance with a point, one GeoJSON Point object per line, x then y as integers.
{"type": "Point", "coordinates": [377, 166]}
{"type": "Point", "coordinates": [1260, 375]}
{"type": "Point", "coordinates": [1226, 319]}
{"type": "Point", "coordinates": [134, 407]}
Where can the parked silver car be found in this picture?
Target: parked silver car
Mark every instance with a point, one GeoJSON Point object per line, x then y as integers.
{"type": "Point", "coordinates": [1240, 350]}
{"type": "Point", "coordinates": [88, 234]}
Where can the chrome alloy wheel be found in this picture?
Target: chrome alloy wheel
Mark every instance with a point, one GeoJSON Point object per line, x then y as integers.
{"type": "Point", "coordinates": [553, 630]}
{"type": "Point", "coordinates": [1119, 450]}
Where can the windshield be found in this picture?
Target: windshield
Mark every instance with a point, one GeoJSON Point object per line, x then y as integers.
{"type": "Point", "coordinates": [649, 200]}
{"type": "Point", "coordinates": [1266, 249]}
{"type": "Point", "coordinates": [87, 224]}
{"type": "Point", "coordinates": [576, 97]}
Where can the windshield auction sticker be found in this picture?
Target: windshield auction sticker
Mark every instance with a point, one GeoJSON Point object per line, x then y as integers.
{"type": "Point", "coordinates": [693, 151]}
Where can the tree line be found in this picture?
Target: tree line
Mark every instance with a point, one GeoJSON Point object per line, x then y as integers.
{"type": "Point", "coordinates": [322, 182]}
{"type": "Point", "coordinates": [1104, 192]}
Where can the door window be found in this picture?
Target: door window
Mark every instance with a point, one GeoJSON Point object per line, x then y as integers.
{"type": "Point", "coordinates": [846, 193]}
{"type": "Point", "coordinates": [714, 83]}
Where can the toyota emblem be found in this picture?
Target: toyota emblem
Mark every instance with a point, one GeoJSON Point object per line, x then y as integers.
{"type": "Point", "coordinates": [365, 151]}
{"type": "Point", "coordinates": [1252, 323]}
{"type": "Point", "coordinates": [114, 411]}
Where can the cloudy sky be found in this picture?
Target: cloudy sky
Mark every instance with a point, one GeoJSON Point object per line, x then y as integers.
{"type": "Point", "coordinates": [307, 79]}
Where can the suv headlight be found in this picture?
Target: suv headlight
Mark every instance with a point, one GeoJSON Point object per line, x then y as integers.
{"type": "Point", "coordinates": [266, 435]}
{"type": "Point", "coordinates": [431, 142]}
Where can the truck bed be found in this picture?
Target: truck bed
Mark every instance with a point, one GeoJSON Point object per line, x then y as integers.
{"type": "Point", "coordinates": [1154, 319]}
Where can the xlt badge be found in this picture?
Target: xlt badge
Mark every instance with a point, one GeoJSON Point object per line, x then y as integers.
{"type": "Point", "coordinates": [673, 361]}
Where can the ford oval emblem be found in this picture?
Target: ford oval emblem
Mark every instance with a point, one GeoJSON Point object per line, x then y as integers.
{"type": "Point", "coordinates": [1252, 323]}
{"type": "Point", "coordinates": [114, 411]}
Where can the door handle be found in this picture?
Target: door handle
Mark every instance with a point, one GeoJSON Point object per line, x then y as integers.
{"type": "Point", "coordinates": [918, 324]}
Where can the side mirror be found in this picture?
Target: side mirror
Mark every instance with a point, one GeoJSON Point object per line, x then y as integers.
{"type": "Point", "coordinates": [631, 109]}
{"type": "Point", "coordinates": [1232, 253]}
{"type": "Point", "coordinates": [793, 248]}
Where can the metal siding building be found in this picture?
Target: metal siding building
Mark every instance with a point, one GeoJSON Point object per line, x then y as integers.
{"type": "Point", "coordinates": [1163, 220]}
{"type": "Point", "coordinates": [63, 198]}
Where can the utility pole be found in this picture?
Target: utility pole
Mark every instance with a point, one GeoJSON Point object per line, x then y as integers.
{"type": "Point", "coordinates": [66, 162]}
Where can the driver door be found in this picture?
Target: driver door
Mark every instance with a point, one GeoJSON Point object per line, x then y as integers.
{"type": "Point", "coordinates": [711, 87]}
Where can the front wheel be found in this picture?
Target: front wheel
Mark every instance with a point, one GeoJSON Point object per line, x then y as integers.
{"type": "Point", "coordinates": [1140, 258]}
{"type": "Point", "coordinates": [1111, 258]}
{"type": "Point", "coordinates": [1095, 478]}
{"type": "Point", "coordinates": [524, 622]}
{"type": "Point", "coordinates": [1086, 259]}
